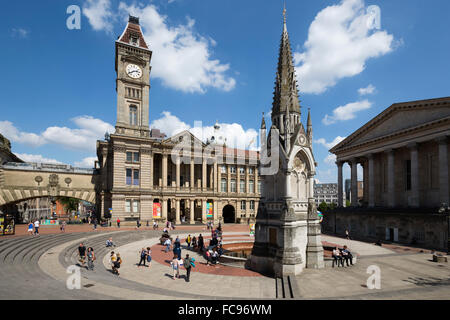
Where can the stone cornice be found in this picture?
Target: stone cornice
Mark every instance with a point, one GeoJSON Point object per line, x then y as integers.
{"type": "Point", "coordinates": [397, 134]}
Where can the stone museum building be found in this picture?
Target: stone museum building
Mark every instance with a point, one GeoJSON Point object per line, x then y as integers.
{"type": "Point", "coordinates": [146, 176]}
{"type": "Point", "coordinates": [404, 153]}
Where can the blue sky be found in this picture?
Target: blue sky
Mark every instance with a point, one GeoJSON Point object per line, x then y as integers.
{"type": "Point", "coordinates": [214, 60]}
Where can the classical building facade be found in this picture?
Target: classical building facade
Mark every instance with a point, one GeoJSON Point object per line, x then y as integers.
{"type": "Point", "coordinates": [404, 154]}
{"type": "Point", "coordinates": [146, 176]}
{"type": "Point", "coordinates": [287, 234]}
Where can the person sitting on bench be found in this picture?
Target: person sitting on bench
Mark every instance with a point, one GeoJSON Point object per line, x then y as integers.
{"type": "Point", "coordinates": [337, 257]}
{"type": "Point", "coordinates": [347, 255]}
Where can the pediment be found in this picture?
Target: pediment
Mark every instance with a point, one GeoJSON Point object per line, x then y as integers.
{"type": "Point", "coordinates": [184, 137]}
{"type": "Point", "coordinates": [397, 119]}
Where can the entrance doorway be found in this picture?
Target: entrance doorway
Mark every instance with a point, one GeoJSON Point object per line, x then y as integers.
{"type": "Point", "coordinates": [229, 214]}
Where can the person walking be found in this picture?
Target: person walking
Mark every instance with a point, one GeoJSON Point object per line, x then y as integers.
{"type": "Point", "coordinates": [30, 228]}
{"type": "Point", "coordinates": [200, 243]}
{"type": "Point", "coordinates": [177, 250]}
{"type": "Point", "coordinates": [143, 257]}
{"type": "Point", "coordinates": [138, 224]}
{"type": "Point", "coordinates": [167, 243]}
{"type": "Point", "coordinates": [82, 253]}
{"type": "Point", "coordinates": [175, 267]}
{"type": "Point", "coordinates": [36, 227]}
{"type": "Point", "coordinates": [188, 241]}
{"type": "Point", "coordinates": [118, 263]}
{"type": "Point", "coordinates": [149, 256]}
{"type": "Point", "coordinates": [187, 263]}
{"type": "Point", "coordinates": [118, 222]}
{"type": "Point", "coordinates": [95, 224]}
{"type": "Point", "coordinates": [194, 243]}
{"type": "Point", "coordinates": [91, 258]}
{"type": "Point", "coordinates": [63, 226]}
{"type": "Point", "coordinates": [112, 260]}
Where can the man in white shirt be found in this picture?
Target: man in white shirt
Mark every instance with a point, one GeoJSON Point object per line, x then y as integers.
{"type": "Point", "coordinates": [36, 227]}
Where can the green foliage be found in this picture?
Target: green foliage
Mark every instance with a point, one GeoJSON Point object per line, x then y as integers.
{"type": "Point", "coordinates": [69, 204]}
{"type": "Point", "coordinates": [347, 203]}
{"type": "Point", "coordinates": [323, 207]}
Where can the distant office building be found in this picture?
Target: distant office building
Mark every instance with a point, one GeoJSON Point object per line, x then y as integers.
{"type": "Point", "coordinates": [326, 192]}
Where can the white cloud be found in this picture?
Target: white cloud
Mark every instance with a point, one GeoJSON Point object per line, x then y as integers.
{"type": "Point", "coordinates": [99, 14]}
{"type": "Point", "coordinates": [88, 162]}
{"type": "Point", "coordinates": [83, 138]}
{"type": "Point", "coordinates": [234, 134]}
{"type": "Point", "coordinates": [370, 89]}
{"type": "Point", "coordinates": [340, 41]}
{"type": "Point", "coordinates": [330, 159]}
{"type": "Point", "coordinates": [347, 112]}
{"type": "Point", "coordinates": [36, 158]}
{"type": "Point", "coordinates": [181, 57]}
{"type": "Point", "coordinates": [331, 144]}
{"type": "Point", "coordinates": [13, 134]}
{"type": "Point", "coordinates": [20, 32]}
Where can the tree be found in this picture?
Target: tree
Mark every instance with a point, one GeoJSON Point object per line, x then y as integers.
{"type": "Point", "coordinates": [69, 204]}
{"type": "Point", "coordinates": [323, 207]}
{"type": "Point", "coordinates": [347, 203]}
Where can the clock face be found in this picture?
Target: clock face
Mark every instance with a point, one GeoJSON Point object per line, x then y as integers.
{"type": "Point", "coordinates": [134, 71]}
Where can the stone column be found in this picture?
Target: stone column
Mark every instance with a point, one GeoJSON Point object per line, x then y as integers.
{"type": "Point", "coordinates": [238, 180]}
{"type": "Point", "coordinates": [192, 174]}
{"type": "Point", "coordinates": [203, 211]}
{"type": "Point", "coordinates": [215, 176]}
{"type": "Point", "coordinates": [192, 210]}
{"type": "Point", "coordinates": [391, 178]}
{"type": "Point", "coordinates": [151, 170]}
{"type": "Point", "coordinates": [287, 190]}
{"type": "Point", "coordinates": [443, 171]}
{"type": "Point", "coordinates": [311, 186]}
{"type": "Point", "coordinates": [371, 181]}
{"type": "Point", "coordinates": [255, 181]}
{"type": "Point", "coordinates": [415, 202]}
{"type": "Point", "coordinates": [215, 216]}
{"type": "Point", "coordinates": [204, 178]}
{"type": "Point", "coordinates": [228, 178]}
{"type": "Point", "coordinates": [340, 184]}
{"type": "Point", "coordinates": [177, 211]}
{"type": "Point", "coordinates": [164, 209]}
{"type": "Point", "coordinates": [177, 163]}
{"type": "Point", "coordinates": [164, 170]}
{"type": "Point", "coordinates": [247, 180]}
{"type": "Point", "coordinates": [354, 183]}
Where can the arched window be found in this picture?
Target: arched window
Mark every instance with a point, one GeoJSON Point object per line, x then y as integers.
{"type": "Point", "coordinates": [133, 115]}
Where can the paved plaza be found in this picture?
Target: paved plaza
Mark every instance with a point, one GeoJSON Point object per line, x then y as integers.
{"type": "Point", "coordinates": [36, 268]}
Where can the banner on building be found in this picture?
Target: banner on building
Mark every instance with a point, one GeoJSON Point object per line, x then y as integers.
{"type": "Point", "coordinates": [252, 229]}
{"type": "Point", "coordinates": [209, 210]}
{"type": "Point", "coordinates": [156, 210]}
{"type": "Point", "coordinates": [50, 223]}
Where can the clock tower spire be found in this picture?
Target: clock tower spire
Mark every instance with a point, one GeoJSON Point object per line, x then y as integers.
{"type": "Point", "coordinates": [133, 81]}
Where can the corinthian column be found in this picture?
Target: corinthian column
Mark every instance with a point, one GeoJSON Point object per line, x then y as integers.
{"type": "Point", "coordinates": [340, 185]}
{"type": "Point", "coordinates": [443, 171]}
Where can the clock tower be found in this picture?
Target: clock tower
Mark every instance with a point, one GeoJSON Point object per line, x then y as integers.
{"type": "Point", "coordinates": [133, 81]}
